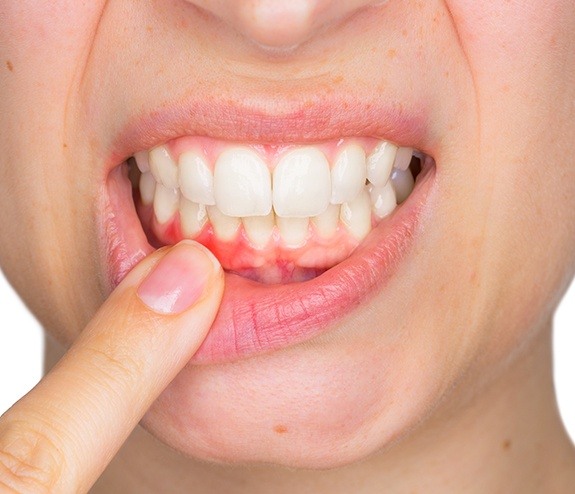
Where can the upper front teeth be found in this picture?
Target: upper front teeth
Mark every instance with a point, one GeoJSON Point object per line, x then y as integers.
{"type": "Point", "coordinates": [302, 184]}
{"type": "Point", "coordinates": [242, 183]}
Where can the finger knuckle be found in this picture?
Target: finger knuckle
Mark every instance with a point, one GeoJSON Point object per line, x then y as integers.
{"type": "Point", "coordinates": [117, 365]}
{"type": "Point", "coordinates": [30, 461]}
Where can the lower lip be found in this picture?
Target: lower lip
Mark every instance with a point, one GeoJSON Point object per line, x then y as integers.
{"type": "Point", "coordinates": [256, 318]}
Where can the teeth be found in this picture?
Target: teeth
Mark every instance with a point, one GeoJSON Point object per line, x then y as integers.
{"type": "Point", "coordinates": [348, 174]}
{"type": "Point", "coordinates": [294, 231]}
{"type": "Point", "coordinates": [193, 218]}
{"type": "Point", "coordinates": [196, 179]}
{"type": "Point", "coordinates": [147, 188]}
{"type": "Point", "coordinates": [380, 163]}
{"type": "Point", "coordinates": [163, 167]}
{"type": "Point", "coordinates": [142, 161]}
{"type": "Point", "coordinates": [383, 200]}
{"type": "Point", "coordinates": [242, 184]}
{"type": "Point", "coordinates": [239, 191]}
{"type": "Point", "coordinates": [403, 184]}
{"type": "Point", "coordinates": [225, 227]}
{"type": "Point", "coordinates": [356, 215]}
{"type": "Point", "coordinates": [259, 229]}
{"type": "Point", "coordinates": [166, 202]}
{"type": "Point", "coordinates": [302, 184]}
{"type": "Point", "coordinates": [326, 223]}
{"type": "Point", "coordinates": [403, 159]}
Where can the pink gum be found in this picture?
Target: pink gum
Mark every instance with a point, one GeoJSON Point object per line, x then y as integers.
{"type": "Point", "coordinates": [239, 254]}
{"type": "Point", "coordinates": [271, 153]}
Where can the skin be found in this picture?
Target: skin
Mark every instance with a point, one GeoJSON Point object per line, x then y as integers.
{"type": "Point", "coordinates": [442, 381]}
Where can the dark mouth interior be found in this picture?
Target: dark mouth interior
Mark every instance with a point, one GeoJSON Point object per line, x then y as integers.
{"type": "Point", "coordinates": [281, 272]}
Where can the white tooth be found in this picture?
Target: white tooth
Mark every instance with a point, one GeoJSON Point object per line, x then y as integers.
{"type": "Point", "coordinates": [225, 227]}
{"type": "Point", "coordinates": [196, 179]}
{"type": "Point", "coordinates": [356, 215]}
{"type": "Point", "coordinates": [242, 183]}
{"type": "Point", "coordinates": [383, 200]}
{"type": "Point", "coordinates": [294, 231]}
{"type": "Point", "coordinates": [403, 184]}
{"type": "Point", "coordinates": [302, 184]}
{"type": "Point", "coordinates": [147, 188]}
{"type": "Point", "coordinates": [348, 174]}
{"type": "Point", "coordinates": [163, 167]}
{"type": "Point", "coordinates": [143, 161]}
{"type": "Point", "coordinates": [326, 223]}
{"type": "Point", "coordinates": [403, 158]}
{"type": "Point", "coordinates": [166, 202]}
{"type": "Point", "coordinates": [193, 217]}
{"type": "Point", "coordinates": [259, 229]}
{"type": "Point", "coordinates": [380, 163]}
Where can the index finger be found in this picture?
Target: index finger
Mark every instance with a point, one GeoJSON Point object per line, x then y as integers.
{"type": "Point", "coordinates": [61, 436]}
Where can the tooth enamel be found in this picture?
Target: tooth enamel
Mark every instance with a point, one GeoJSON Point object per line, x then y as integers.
{"type": "Point", "coordinates": [166, 202]}
{"type": "Point", "coordinates": [193, 217]}
{"type": "Point", "coordinates": [302, 184]}
{"type": "Point", "coordinates": [383, 200]}
{"type": "Point", "coordinates": [348, 174]}
{"type": "Point", "coordinates": [380, 163]}
{"type": "Point", "coordinates": [259, 229]}
{"type": "Point", "coordinates": [225, 227]}
{"type": "Point", "coordinates": [142, 161]}
{"type": "Point", "coordinates": [403, 184]}
{"type": "Point", "coordinates": [147, 188]}
{"type": "Point", "coordinates": [356, 215]}
{"type": "Point", "coordinates": [196, 179]}
{"type": "Point", "coordinates": [403, 158]}
{"type": "Point", "coordinates": [242, 184]}
{"type": "Point", "coordinates": [294, 231]}
{"type": "Point", "coordinates": [163, 167]}
{"type": "Point", "coordinates": [326, 223]}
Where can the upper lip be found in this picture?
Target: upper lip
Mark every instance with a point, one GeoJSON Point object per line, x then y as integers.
{"type": "Point", "coordinates": [272, 121]}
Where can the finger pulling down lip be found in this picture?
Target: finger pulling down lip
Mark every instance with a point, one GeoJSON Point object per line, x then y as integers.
{"type": "Point", "coordinates": [256, 318]}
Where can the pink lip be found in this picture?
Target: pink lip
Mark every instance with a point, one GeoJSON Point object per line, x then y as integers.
{"type": "Point", "coordinates": [256, 318]}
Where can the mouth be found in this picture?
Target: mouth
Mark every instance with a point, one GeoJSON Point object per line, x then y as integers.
{"type": "Point", "coordinates": [306, 232]}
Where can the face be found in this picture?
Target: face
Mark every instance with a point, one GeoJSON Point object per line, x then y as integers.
{"type": "Point", "coordinates": [347, 318]}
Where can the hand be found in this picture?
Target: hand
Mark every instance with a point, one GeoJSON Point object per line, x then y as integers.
{"type": "Point", "coordinates": [61, 436]}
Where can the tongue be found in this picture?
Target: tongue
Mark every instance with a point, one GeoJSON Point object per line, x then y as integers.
{"type": "Point", "coordinates": [276, 262]}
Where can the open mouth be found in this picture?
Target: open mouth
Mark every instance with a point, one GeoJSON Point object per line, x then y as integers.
{"type": "Point", "coordinates": [305, 232]}
{"type": "Point", "coordinates": [273, 214]}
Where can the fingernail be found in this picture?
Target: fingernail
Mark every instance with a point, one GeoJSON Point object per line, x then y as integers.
{"type": "Point", "coordinates": [178, 280]}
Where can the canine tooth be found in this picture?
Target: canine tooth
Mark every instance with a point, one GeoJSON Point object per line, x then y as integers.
{"type": "Point", "coordinates": [348, 174]}
{"type": "Point", "coordinates": [302, 184]}
{"type": "Point", "coordinates": [193, 217]}
{"type": "Point", "coordinates": [166, 202]}
{"type": "Point", "coordinates": [242, 183]}
{"type": "Point", "coordinates": [143, 161]}
{"type": "Point", "coordinates": [383, 200]}
{"type": "Point", "coordinates": [294, 231]}
{"type": "Point", "coordinates": [356, 215]}
{"type": "Point", "coordinates": [147, 188]}
{"type": "Point", "coordinates": [196, 179]}
{"type": "Point", "coordinates": [326, 223]}
{"type": "Point", "coordinates": [403, 184]}
{"type": "Point", "coordinates": [403, 158]}
{"type": "Point", "coordinates": [163, 167]}
{"type": "Point", "coordinates": [225, 227]}
{"type": "Point", "coordinates": [380, 163]}
{"type": "Point", "coordinates": [259, 229]}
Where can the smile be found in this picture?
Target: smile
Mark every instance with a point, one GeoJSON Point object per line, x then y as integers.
{"type": "Point", "coordinates": [306, 232]}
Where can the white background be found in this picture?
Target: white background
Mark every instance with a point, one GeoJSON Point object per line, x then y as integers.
{"type": "Point", "coordinates": [21, 352]}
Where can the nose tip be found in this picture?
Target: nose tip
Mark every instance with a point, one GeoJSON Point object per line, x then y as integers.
{"type": "Point", "coordinates": [280, 24]}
